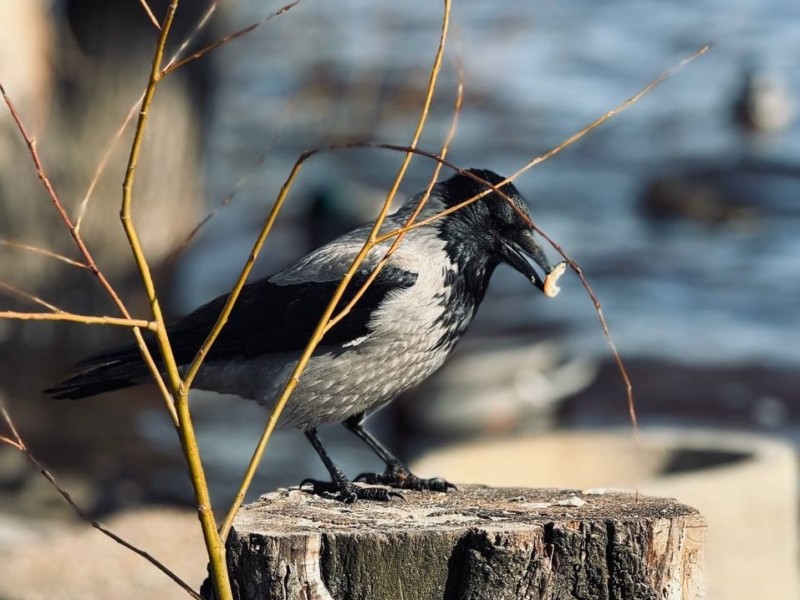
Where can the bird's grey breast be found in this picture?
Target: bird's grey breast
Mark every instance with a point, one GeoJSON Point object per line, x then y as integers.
{"type": "Point", "coordinates": [409, 332]}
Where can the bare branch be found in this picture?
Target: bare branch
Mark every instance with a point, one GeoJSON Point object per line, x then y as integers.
{"type": "Point", "coordinates": [150, 14]}
{"type": "Point", "coordinates": [20, 445]}
{"type": "Point", "coordinates": [172, 66]}
{"type": "Point", "coordinates": [87, 256]}
{"type": "Point", "coordinates": [101, 166]}
{"type": "Point", "coordinates": [128, 118]}
{"type": "Point", "coordinates": [214, 546]}
{"type": "Point", "coordinates": [425, 196]}
{"type": "Point", "coordinates": [43, 252]}
{"type": "Point", "coordinates": [204, 19]}
{"type": "Point", "coordinates": [294, 379]}
{"type": "Point", "coordinates": [84, 319]}
{"type": "Point", "coordinates": [613, 112]}
{"type": "Point", "coordinates": [127, 200]}
{"type": "Point", "coordinates": [57, 201]}
{"type": "Point", "coordinates": [20, 293]}
{"type": "Point", "coordinates": [10, 442]}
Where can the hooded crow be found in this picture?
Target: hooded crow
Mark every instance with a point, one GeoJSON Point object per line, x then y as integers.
{"type": "Point", "coordinates": [396, 335]}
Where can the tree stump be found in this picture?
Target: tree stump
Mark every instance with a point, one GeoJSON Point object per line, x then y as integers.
{"type": "Point", "coordinates": [478, 543]}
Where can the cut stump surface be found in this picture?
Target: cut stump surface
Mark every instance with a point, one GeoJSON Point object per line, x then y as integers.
{"type": "Point", "coordinates": [477, 543]}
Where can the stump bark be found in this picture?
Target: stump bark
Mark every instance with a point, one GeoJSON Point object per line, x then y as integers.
{"type": "Point", "coordinates": [477, 543]}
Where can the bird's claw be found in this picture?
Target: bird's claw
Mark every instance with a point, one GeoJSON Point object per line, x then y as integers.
{"type": "Point", "coordinates": [402, 478]}
{"type": "Point", "coordinates": [349, 493]}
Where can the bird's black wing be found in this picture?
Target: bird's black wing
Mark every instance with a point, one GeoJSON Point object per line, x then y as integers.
{"type": "Point", "coordinates": [267, 318]}
{"type": "Point", "coordinates": [270, 317]}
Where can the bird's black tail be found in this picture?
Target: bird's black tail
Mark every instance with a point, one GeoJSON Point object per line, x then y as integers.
{"type": "Point", "coordinates": [113, 369]}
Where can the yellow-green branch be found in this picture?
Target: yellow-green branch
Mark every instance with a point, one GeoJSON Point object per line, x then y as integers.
{"type": "Point", "coordinates": [85, 319]}
{"type": "Point", "coordinates": [214, 546]}
{"type": "Point", "coordinates": [294, 379]}
{"type": "Point", "coordinates": [410, 221]}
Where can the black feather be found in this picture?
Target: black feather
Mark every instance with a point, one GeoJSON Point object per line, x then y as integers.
{"type": "Point", "coordinates": [96, 381]}
{"type": "Point", "coordinates": [267, 318]}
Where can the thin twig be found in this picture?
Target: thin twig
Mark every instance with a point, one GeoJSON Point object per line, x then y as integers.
{"type": "Point", "coordinates": [10, 442]}
{"type": "Point", "coordinates": [84, 319]}
{"type": "Point", "coordinates": [530, 164]}
{"type": "Point", "coordinates": [214, 546]}
{"type": "Point", "coordinates": [613, 112]}
{"type": "Point", "coordinates": [578, 271]}
{"type": "Point", "coordinates": [90, 264]}
{"type": "Point", "coordinates": [101, 166]}
{"type": "Point", "coordinates": [43, 252]}
{"type": "Point", "coordinates": [232, 36]}
{"type": "Point", "coordinates": [20, 293]}
{"type": "Point", "coordinates": [150, 14]}
{"type": "Point", "coordinates": [87, 256]}
{"type": "Point", "coordinates": [171, 65]}
{"type": "Point", "coordinates": [621, 368]}
{"type": "Point", "coordinates": [204, 19]}
{"type": "Point", "coordinates": [410, 221]}
{"type": "Point", "coordinates": [319, 331]}
{"type": "Point", "coordinates": [84, 203]}
{"type": "Point", "coordinates": [228, 198]}
{"type": "Point", "coordinates": [20, 445]}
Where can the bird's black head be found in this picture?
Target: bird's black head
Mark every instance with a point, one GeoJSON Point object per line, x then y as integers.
{"type": "Point", "coordinates": [489, 231]}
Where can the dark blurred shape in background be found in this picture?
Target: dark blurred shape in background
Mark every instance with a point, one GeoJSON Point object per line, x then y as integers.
{"type": "Point", "coordinates": [765, 103]}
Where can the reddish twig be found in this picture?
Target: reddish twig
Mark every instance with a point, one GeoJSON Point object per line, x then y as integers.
{"type": "Point", "coordinates": [87, 256]}
{"type": "Point", "coordinates": [90, 264]}
{"type": "Point", "coordinates": [18, 443]}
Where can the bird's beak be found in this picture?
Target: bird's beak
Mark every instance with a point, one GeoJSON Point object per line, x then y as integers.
{"type": "Point", "coordinates": [524, 249]}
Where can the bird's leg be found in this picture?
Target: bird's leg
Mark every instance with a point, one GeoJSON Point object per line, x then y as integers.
{"type": "Point", "coordinates": [340, 484]}
{"type": "Point", "coordinates": [397, 474]}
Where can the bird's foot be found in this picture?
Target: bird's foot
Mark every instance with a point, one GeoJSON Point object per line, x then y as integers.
{"type": "Point", "coordinates": [397, 475]}
{"type": "Point", "coordinates": [347, 492]}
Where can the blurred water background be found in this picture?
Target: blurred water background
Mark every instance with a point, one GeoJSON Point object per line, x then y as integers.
{"type": "Point", "coordinates": [701, 294]}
